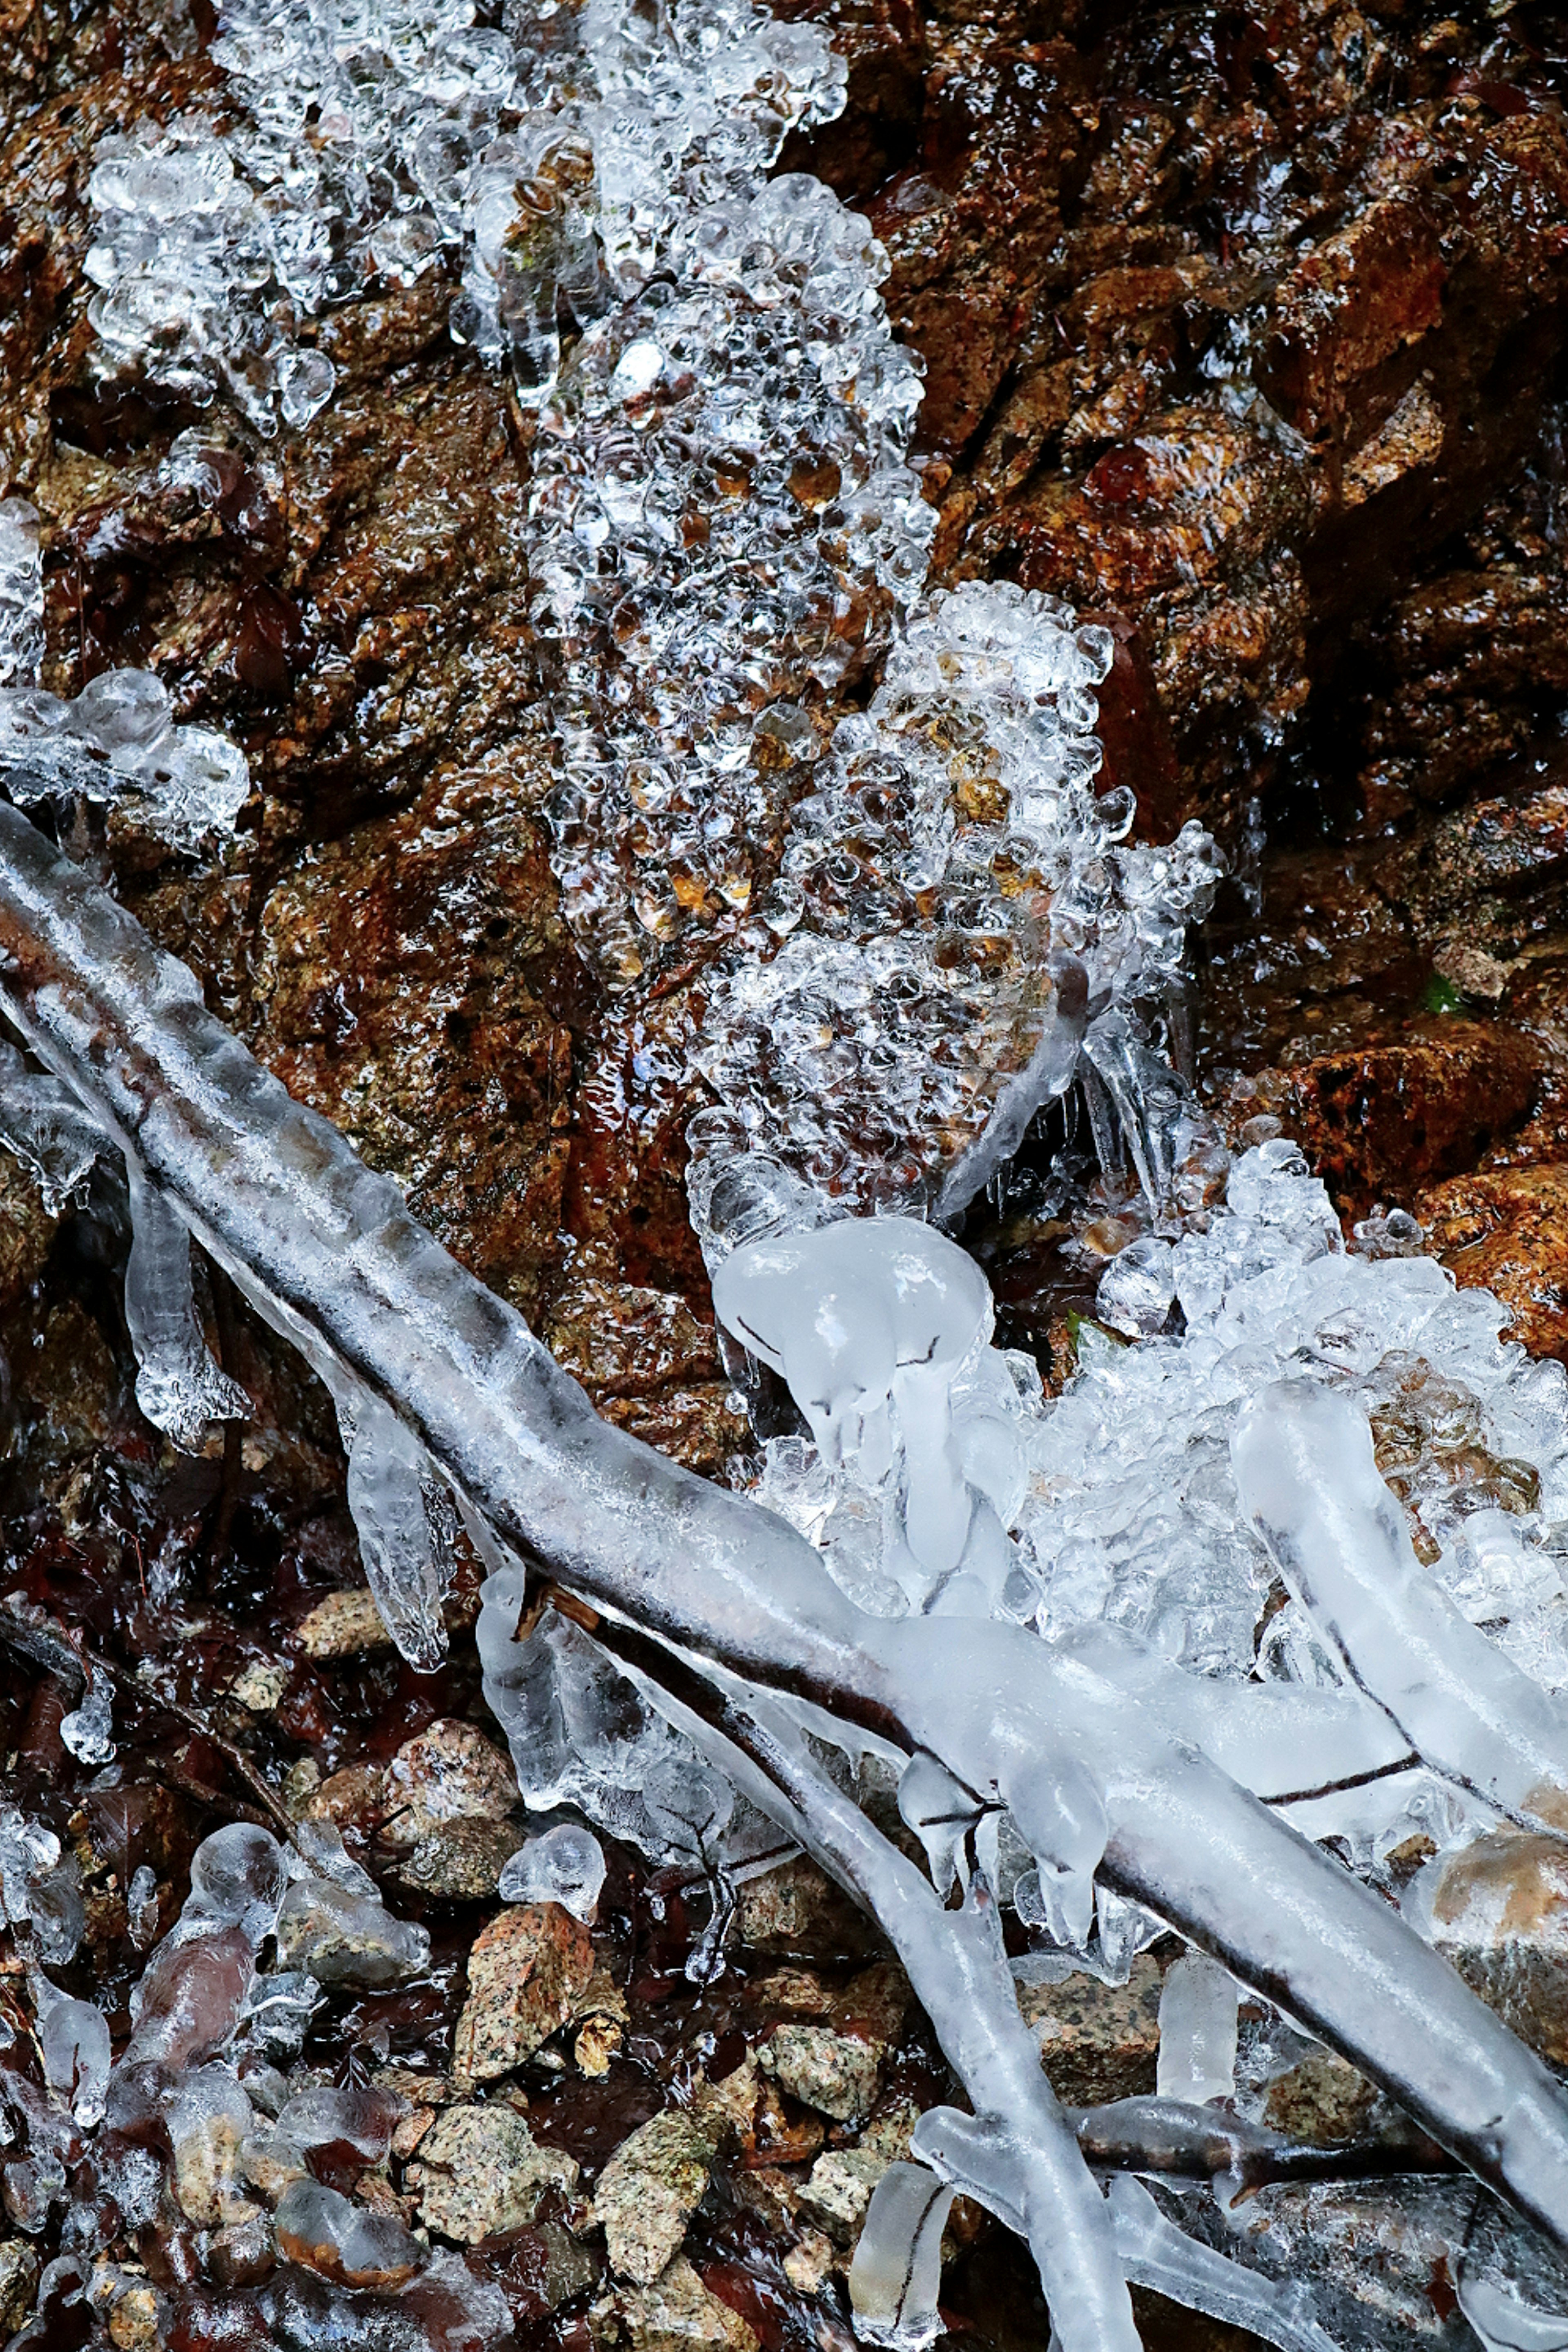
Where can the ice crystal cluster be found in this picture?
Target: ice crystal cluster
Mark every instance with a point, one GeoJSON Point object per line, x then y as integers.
{"type": "Point", "coordinates": [118, 739]}
{"type": "Point", "coordinates": [948, 847]}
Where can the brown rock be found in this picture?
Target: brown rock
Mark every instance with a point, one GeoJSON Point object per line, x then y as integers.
{"type": "Point", "coordinates": [1508, 1232]}
{"type": "Point", "coordinates": [1099, 2042]}
{"type": "Point", "coordinates": [344, 1625]}
{"type": "Point", "coordinates": [1320, 2101]}
{"type": "Point", "coordinates": [461, 1861]}
{"type": "Point", "coordinates": [796, 1908]}
{"type": "Point", "coordinates": [449, 1772]}
{"type": "Point", "coordinates": [1499, 1911]}
{"type": "Point", "coordinates": [18, 2283]}
{"type": "Point", "coordinates": [526, 1973]}
{"type": "Point", "coordinates": [1378, 1124]}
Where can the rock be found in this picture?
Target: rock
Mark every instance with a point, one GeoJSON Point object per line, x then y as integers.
{"type": "Point", "coordinates": [527, 1971]}
{"type": "Point", "coordinates": [480, 2171]}
{"type": "Point", "coordinates": [539, 2268]}
{"type": "Point", "coordinates": [1321, 2100]}
{"type": "Point", "coordinates": [328, 2233]}
{"type": "Point", "coordinates": [841, 2189]}
{"type": "Point", "coordinates": [796, 1908]}
{"type": "Point", "coordinates": [810, 2262]}
{"type": "Point", "coordinates": [260, 1686]}
{"type": "Point", "coordinates": [461, 1860]}
{"type": "Point", "coordinates": [134, 2321]}
{"type": "Point", "coordinates": [834, 2072]}
{"type": "Point", "coordinates": [598, 2042]}
{"type": "Point", "coordinates": [648, 2191]}
{"type": "Point", "coordinates": [341, 1937]}
{"type": "Point", "coordinates": [1378, 1123]}
{"type": "Point", "coordinates": [650, 1367]}
{"type": "Point", "coordinates": [1099, 2042]}
{"type": "Point", "coordinates": [1498, 1911]}
{"type": "Point", "coordinates": [26, 1232]}
{"type": "Point", "coordinates": [677, 2313]}
{"type": "Point", "coordinates": [241, 2254]}
{"type": "Point", "coordinates": [451, 1772]}
{"type": "Point", "coordinates": [1508, 1232]}
{"type": "Point", "coordinates": [344, 1625]}
{"type": "Point", "coordinates": [354, 1799]}
{"type": "Point", "coordinates": [18, 2283]}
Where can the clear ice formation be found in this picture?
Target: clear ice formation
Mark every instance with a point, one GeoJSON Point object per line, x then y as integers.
{"type": "Point", "coordinates": [178, 1386]}
{"type": "Point", "coordinates": [565, 1865]}
{"type": "Point", "coordinates": [1157, 2254]}
{"type": "Point", "coordinates": [896, 2274]}
{"type": "Point", "coordinates": [1072, 1745]}
{"type": "Point", "coordinates": [118, 741]}
{"type": "Point", "coordinates": [404, 1518]}
{"type": "Point", "coordinates": [1197, 2031]}
{"type": "Point", "coordinates": [1504, 2324]}
{"type": "Point", "coordinates": [45, 1126]}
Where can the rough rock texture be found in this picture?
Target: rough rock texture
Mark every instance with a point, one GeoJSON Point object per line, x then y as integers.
{"type": "Point", "coordinates": [526, 1972]}
{"type": "Point", "coordinates": [1499, 1912]}
{"type": "Point", "coordinates": [1097, 2041]}
{"type": "Point", "coordinates": [479, 2171]}
{"type": "Point", "coordinates": [648, 2191]}
{"type": "Point", "coordinates": [677, 2313]}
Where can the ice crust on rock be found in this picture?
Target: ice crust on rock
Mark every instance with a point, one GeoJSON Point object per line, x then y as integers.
{"type": "Point", "coordinates": [118, 740]}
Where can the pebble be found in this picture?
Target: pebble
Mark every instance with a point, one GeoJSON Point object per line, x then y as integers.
{"type": "Point", "coordinates": [1322, 2100]}
{"type": "Point", "coordinates": [344, 1625]}
{"type": "Point", "coordinates": [259, 1685]}
{"type": "Point", "coordinates": [1099, 2042]}
{"type": "Point", "coordinates": [836, 2073]}
{"type": "Point", "coordinates": [648, 2191]}
{"type": "Point", "coordinates": [809, 2264]}
{"type": "Point", "coordinates": [449, 1772]}
{"type": "Point", "coordinates": [461, 1861]}
{"type": "Point", "coordinates": [1498, 1911]}
{"type": "Point", "coordinates": [677, 2313]}
{"type": "Point", "coordinates": [18, 2284]}
{"type": "Point", "coordinates": [341, 1937]}
{"type": "Point", "coordinates": [528, 1970]}
{"type": "Point", "coordinates": [839, 2189]}
{"type": "Point", "coordinates": [796, 1908]}
{"type": "Point", "coordinates": [134, 2321]}
{"type": "Point", "coordinates": [480, 2171]}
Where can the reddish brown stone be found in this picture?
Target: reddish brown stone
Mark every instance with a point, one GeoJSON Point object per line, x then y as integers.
{"type": "Point", "coordinates": [1508, 1232]}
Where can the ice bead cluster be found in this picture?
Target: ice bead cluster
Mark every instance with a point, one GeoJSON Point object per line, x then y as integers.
{"type": "Point", "coordinates": [900, 976]}
{"type": "Point", "coordinates": [1133, 1514]}
{"type": "Point", "coordinates": [720, 517]}
{"type": "Point", "coordinates": [118, 740]}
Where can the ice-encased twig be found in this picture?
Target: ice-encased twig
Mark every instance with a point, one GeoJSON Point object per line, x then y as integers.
{"type": "Point", "coordinates": [45, 1126]}
{"type": "Point", "coordinates": [1159, 2256]}
{"type": "Point", "coordinates": [1307, 1481]}
{"type": "Point", "coordinates": [178, 1386]}
{"type": "Point", "coordinates": [329, 1254]}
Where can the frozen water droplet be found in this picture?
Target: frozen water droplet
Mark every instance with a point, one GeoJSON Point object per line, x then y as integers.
{"type": "Point", "coordinates": [566, 1865]}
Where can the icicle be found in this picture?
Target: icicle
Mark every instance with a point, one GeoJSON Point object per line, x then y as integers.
{"type": "Point", "coordinates": [394, 1498]}
{"type": "Point", "coordinates": [941, 1813]}
{"type": "Point", "coordinates": [48, 1131]}
{"type": "Point", "coordinates": [178, 1386]}
{"type": "Point", "coordinates": [1159, 2256]}
{"type": "Point", "coordinates": [1305, 1472]}
{"type": "Point", "coordinates": [1197, 2031]}
{"type": "Point", "coordinates": [896, 2275]}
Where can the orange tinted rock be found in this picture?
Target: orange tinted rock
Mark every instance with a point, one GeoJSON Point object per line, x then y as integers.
{"type": "Point", "coordinates": [1506, 1230]}
{"type": "Point", "coordinates": [527, 1971]}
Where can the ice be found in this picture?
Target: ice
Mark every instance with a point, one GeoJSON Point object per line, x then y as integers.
{"type": "Point", "coordinates": [1137, 1288]}
{"type": "Point", "coordinates": [1197, 2031]}
{"type": "Point", "coordinates": [73, 2036]}
{"type": "Point", "coordinates": [21, 595]}
{"type": "Point", "coordinates": [89, 1729]}
{"type": "Point", "coordinates": [142, 1906]}
{"type": "Point", "coordinates": [318, 2227]}
{"type": "Point", "coordinates": [566, 1865]}
{"type": "Point", "coordinates": [404, 1518]}
{"type": "Point", "coordinates": [40, 1886]}
{"type": "Point", "coordinates": [895, 2277]}
{"type": "Point", "coordinates": [1504, 2324]}
{"type": "Point", "coordinates": [1307, 1477]}
{"type": "Point", "coordinates": [119, 743]}
{"type": "Point", "coordinates": [178, 1386]}
{"type": "Point", "coordinates": [189, 1998]}
{"type": "Point", "coordinates": [238, 1878]}
{"type": "Point", "coordinates": [48, 1131]}
{"type": "Point", "coordinates": [340, 1938]}
{"type": "Point", "coordinates": [1159, 2256]}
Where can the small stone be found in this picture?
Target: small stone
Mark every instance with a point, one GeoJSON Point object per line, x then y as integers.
{"type": "Point", "coordinates": [796, 1908]}
{"type": "Point", "coordinates": [451, 1772]}
{"type": "Point", "coordinates": [791, 1993]}
{"type": "Point", "coordinates": [809, 2264]}
{"type": "Point", "coordinates": [461, 1861]}
{"type": "Point", "coordinates": [1498, 1911]}
{"type": "Point", "coordinates": [344, 1625]}
{"type": "Point", "coordinates": [597, 2044]}
{"type": "Point", "coordinates": [259, 1686]}
{"type": "Point", "coordinates": [272, 2162]}
{"type": "Point", "coordinates": [726, 2109]}
{"type": "Point", "coordinates": [677, 2313]}
{"type": "Point", "coordinates": [134, 2321]}
{"type": "Point", "coordinates": [770, 2193]}
{"type": "Point", "coordinates": [527, 1971]}
{"type": "Point", "coordinates": [648, 2191]}
{"type": "Point", "coordinates": [341, 1938]}
{"type": "Point", "coordinates": [1321, 2100]}
{"type": "Point", "coordinates": [300, 1785]}
{"type": "Point", "coordinates": [241, 2254]}
{"type": "Point", "coordinates": [841, 2189]}
{"type": "Point", "coordinates": [834, 2072]}
{"type": "Point", "coordinates": [481, 2171]}
{"type": "Point", "coordinates": [18, 2284]}
{"type": "Point", "coordinates": [1099, 2042]}
{"type": "Point", "coordinates": [354, 1799]}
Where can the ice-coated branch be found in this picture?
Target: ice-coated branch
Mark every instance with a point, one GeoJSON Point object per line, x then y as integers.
{"type": "Point", "coordinates": [327, 1251]}
{"type": "Point", "coordinates": [1307, 1481]}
